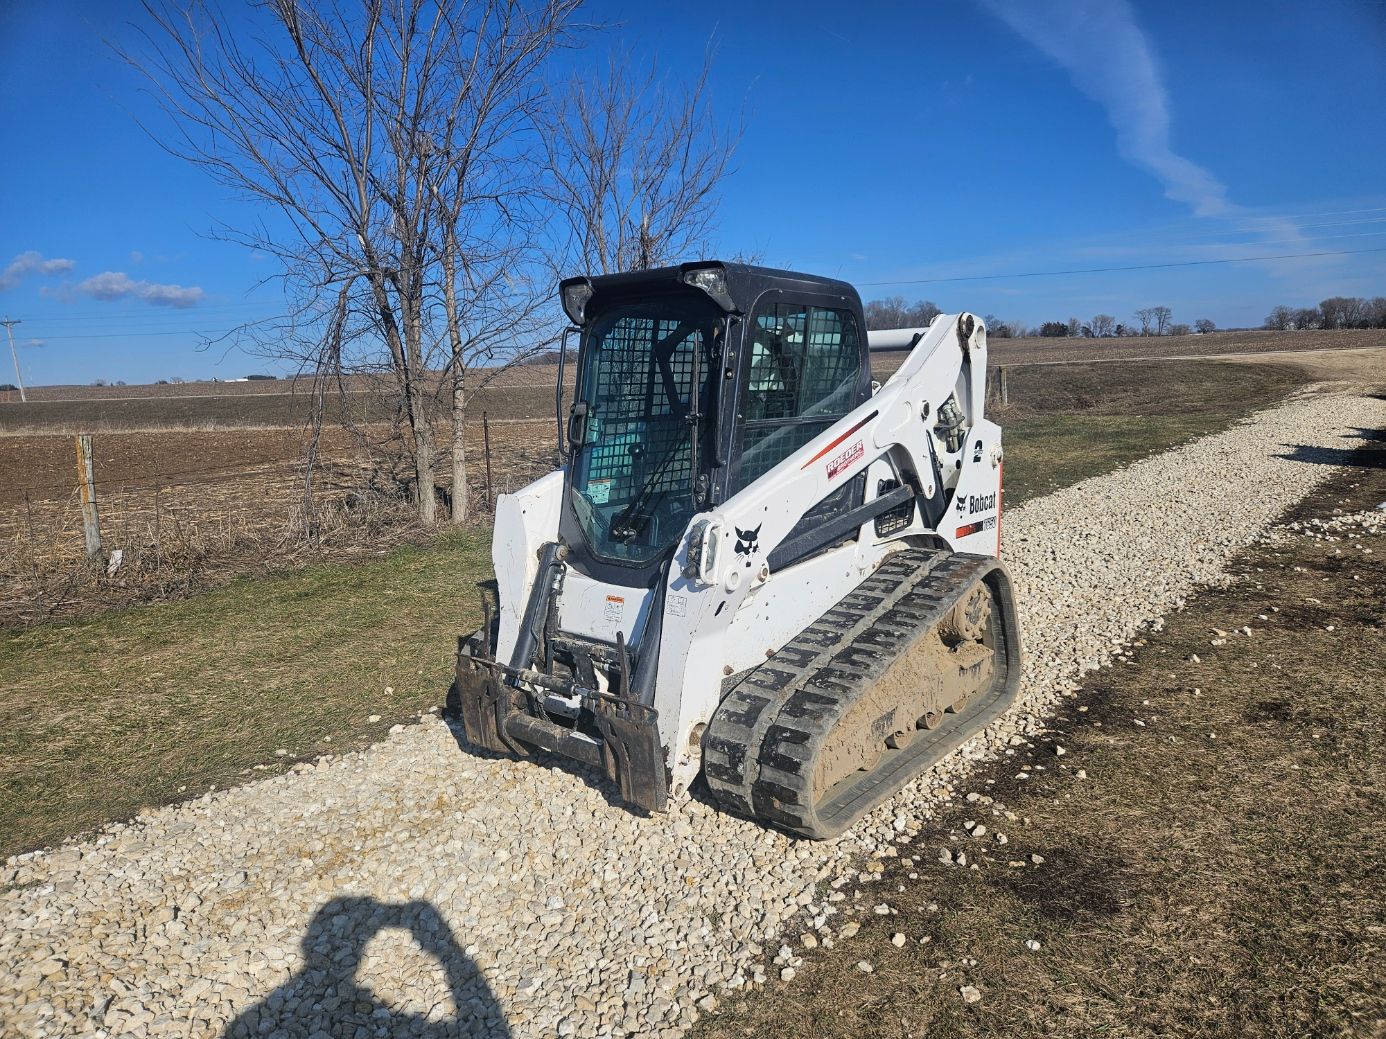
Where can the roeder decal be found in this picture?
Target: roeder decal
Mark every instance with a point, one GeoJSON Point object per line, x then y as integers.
{"type": "Point", "coordinates": [842, 461]}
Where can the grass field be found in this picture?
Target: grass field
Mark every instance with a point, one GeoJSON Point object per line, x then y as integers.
{"type": "Point", "coordinates": [1069, 421]}
{"type": "Point", "coordinates": [146, 705]}
{"type": "Point", "coordinates": [143, 706]}
{"type": "Point", "coordinates": [1205, 859]}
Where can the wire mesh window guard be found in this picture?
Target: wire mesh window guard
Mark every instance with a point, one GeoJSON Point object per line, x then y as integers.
{"type": "Point", "coordinates": [632, 475]}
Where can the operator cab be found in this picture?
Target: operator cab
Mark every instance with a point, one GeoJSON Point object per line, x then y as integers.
{"type": "Point", "coordinates": [693, 381]}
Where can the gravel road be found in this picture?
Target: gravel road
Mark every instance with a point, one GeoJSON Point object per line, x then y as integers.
{"type": "Point", "coordinates": [416, 888]}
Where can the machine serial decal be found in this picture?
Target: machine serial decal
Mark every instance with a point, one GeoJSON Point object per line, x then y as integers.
{"type": "Point", "coordinates": [845, 459]}
{"type": "Point", "coordinates": [974, 528]}
{"type": "Point", "coordinates": [839, 439]}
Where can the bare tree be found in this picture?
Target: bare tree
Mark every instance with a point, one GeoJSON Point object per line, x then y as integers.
{"type": "Point", "coordinates": [922, 314]}
{"type": "Point", "coordinates": [885, 313]}
{"type": "Point", "coordinates": [1204, 326]}
{"type": "Point", "coordinates": [1281, 319]}
{"type": "Point", "coordinates": [1344, 312]}
{"type": "Point", "coordinates": [346, 121]}
{"type": "Point", "coordinates": [1102, 325]}
{"type": "Point", "coordinates": [894, 312]}
{"type": "Point", "coordinates": [635, 166]}
{"type": "Point", "coordinates": [996, 328]}
{"type": "Point", "coordinates": [1162, 316]}
{"type": "Point", "coordinates": [1074, 326]}
{"type": "Point", "coordinates": [1180, 330]}
{"type": "Point", "coordinates": [1376, 312]}
{"type": "Point", "coordinates": [486, 189]}
{"type": "Point", "coordinates": [1308, 317]}
{"type": "Point", "coordinates": [1146, 316]}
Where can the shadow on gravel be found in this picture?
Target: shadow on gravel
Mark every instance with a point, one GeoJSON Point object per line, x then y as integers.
{"type": "Point", "coordinates": [1336, 456]}
{"type": "Point", "coordinates": [329, 998]}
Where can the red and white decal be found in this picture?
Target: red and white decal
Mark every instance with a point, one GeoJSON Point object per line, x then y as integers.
{"type": "Point", "coordinates": [842, 461]}
{"type": "Point", "coordinates": [830, 445]}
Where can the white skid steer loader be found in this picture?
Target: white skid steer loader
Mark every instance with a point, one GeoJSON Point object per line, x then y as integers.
{"type": "Point", "coordinates": [755, 564]}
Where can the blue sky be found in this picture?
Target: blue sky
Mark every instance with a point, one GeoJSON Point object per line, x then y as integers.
{"type": "Point", "coordinates": [902, 148]}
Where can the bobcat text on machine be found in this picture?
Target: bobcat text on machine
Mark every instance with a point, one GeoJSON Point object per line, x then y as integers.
{"type": "Point", "coordinates": [756, 563]}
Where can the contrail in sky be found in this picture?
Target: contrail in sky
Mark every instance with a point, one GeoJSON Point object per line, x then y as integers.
{"type": "Point", "coordinates": [1110, 60]}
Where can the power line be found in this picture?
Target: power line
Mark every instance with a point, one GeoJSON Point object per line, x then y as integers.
{"type": "Point", "coordinates": [140, 335]}
{"type": "Point", "coordinates": [1106, 270]}
{"type": "Point", "coordinates": [146, 313]}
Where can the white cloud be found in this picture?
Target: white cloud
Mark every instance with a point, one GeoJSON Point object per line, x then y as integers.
{"type": "Point", "coordinates": [113, 285]}
{"type": "Point", "coordinates": [31, 262]}
{"type": "Point", "coordinates": [1110, 60]}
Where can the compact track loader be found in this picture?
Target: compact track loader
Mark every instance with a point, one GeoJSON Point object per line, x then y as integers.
{"type": "Point", "coordinates": [756, 564]}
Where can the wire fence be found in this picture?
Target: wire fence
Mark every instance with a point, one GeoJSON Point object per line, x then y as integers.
{"type": "Point", "coordinates": [166, 530]}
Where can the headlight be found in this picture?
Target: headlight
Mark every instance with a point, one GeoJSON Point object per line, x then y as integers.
{"type": "Point", "coordinates": [575, 295]}
{"type": "Point", "coordinates": [713, 281]}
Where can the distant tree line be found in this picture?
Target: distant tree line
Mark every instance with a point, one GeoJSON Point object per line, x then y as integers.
{"type": "Point", "coordinates": [894, 312]}
{"type": "Point", "coordinates": [1334, 312]}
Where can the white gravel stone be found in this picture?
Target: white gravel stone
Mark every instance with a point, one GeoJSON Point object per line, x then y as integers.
{"type": "Point", "coordinates": [415, 873]}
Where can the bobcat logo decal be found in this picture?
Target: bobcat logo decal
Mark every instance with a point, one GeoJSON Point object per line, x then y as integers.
{"type": "Point", "coordinates": [747, 541]}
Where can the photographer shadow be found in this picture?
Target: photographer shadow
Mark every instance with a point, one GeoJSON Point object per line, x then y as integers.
{"type": "Point", "coordinates": [326, 998]}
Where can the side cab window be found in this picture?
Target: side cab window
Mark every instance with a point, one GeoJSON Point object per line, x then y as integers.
{"type": "Point", "coordinates": [803, 375]}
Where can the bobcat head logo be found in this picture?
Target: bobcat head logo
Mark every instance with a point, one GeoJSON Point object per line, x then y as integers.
{"type": "Point", "coordinates": [962, 502]}
{"type": "Point", "coordinates": [747, 541]}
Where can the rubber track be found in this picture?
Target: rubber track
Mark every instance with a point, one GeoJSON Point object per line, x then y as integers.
{"type": "Point", "coordinates": [760, 749]}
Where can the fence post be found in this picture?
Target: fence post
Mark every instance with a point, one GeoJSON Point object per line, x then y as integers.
{"type": "Point", "coordinates": [486, 436]}
{"type": "Point", "coordinates": [1005, 390]}
{"type": "Point", "coordinates": [91, 521]}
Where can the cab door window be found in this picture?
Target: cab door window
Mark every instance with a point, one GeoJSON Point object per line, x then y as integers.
{"type": "Point", "coordinates": [804, 368]}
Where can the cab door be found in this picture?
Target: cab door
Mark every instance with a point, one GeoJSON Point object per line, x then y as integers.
{"type": "Point", "coordinates": [803, 368]}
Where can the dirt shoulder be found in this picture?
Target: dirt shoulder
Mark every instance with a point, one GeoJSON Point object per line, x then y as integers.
{"type": "Point", "coordinates": [1366, 366]}
{"type": "Point", "coordinates": [1196, 848]}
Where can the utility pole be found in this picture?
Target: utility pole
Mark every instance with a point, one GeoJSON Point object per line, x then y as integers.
{"type": "Point", "coordinates": [9, 324]}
